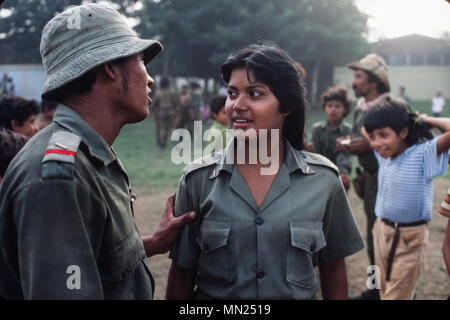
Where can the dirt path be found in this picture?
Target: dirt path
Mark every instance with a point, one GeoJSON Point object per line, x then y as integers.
{"type": "Point", "coordinates": [434, 282]}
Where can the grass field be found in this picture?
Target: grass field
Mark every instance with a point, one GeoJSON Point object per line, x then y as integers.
{"type": "Point", "coordinates": [153, 177]}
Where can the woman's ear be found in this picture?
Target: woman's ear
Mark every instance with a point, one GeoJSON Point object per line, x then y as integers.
{"type": "Point", "coordinates": [14, 125]}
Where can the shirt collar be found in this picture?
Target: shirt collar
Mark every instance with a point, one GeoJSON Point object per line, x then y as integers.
{"type": "Point", "coordinates": [72, 121]}
{"type": "Point", "coordinates": [339, 128]}
{"type": "Point", "coordinates": [294, 160]}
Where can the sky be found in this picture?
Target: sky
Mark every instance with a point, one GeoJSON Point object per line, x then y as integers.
{"type": "Point", "coordinates": [396, 18]}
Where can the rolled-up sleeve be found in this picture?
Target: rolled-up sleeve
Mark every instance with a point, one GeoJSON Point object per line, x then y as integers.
{"type": "Point", "coordinates": [184, 251]}
{"type": "Point", "coordinates": [341, 232]}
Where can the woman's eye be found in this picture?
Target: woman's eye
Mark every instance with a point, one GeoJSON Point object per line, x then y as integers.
{"type": "Point", "coordinates": [231, 93]}
{"type": "Point", "coordinates": [255, 94]}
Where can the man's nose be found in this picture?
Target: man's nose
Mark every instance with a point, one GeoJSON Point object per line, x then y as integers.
{"type": "Point", "coordinates": [150, 81]}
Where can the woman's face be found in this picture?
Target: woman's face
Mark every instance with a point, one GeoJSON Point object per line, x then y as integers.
{"type": "Point", "coordinates": [252, 105]}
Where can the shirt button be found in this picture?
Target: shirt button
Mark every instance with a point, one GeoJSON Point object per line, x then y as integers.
{"type": "Point", "coordinates": [260, 274]}
{"type": "Point", "coordinates": [259, 220]}
{"type": "Point", "coordinates": [205, 246]}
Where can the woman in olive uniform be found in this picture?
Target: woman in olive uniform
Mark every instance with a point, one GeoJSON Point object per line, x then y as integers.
{"type": "Point", "coordinates": [259, 233]}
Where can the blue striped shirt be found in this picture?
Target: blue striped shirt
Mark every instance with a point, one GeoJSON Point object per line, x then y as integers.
{"type": "Point", "coordinates": [405, 184]}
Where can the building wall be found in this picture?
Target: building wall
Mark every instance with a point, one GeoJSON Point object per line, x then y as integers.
{"type": "Point", "coordinates": [28, 79]}
{"type": "Point", "coordinates": [421, 82]}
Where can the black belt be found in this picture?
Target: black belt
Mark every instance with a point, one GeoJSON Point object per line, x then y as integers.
{"type": "Point", "coordinates": [396, 226]}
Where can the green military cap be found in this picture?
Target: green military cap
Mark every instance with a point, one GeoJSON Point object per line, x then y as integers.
{"type": "Point", "coordinates": [374, 64]}
{"type": "Point", "coordinates": [84, 37]}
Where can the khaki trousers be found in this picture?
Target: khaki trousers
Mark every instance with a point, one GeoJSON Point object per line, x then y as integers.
{"type": "Point", "coordinates": [409, 259]}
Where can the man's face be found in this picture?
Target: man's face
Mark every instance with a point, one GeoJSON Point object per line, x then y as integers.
{"type": "Point", "coordinates": [360, 84]}
{"type": "Point", "coordinates": [135, 89]}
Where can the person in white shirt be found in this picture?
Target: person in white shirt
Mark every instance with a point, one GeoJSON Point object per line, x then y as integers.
{"type": "Point", "coordinates": [438, 104]}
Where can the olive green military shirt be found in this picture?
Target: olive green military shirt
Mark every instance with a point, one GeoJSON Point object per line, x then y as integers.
{"type": "Point", "coordinates": [324, 139]}
{"type": "Point", "coordinates": [240, 251]}
{"type": "Point", "coordinates": [67, 228]}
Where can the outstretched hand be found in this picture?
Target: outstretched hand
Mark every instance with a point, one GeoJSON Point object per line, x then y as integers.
{"type": "Point", "coordinates": [169, 227]}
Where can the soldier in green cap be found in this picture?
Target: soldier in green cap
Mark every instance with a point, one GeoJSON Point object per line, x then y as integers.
{"type": "Point", "coordinates": [259, 233]}
{"type": "Point", "coordinates": [67, 227]}
{"type": "Point", "coordinates": [370, 84]}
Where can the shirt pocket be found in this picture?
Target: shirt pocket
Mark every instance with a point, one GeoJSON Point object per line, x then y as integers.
{"type": "Point", "coordinates": [119, 264]}
{"type": "Point", "coordinates": [215, 260]}
{"type": "Point", "coordinates": [306, 239]}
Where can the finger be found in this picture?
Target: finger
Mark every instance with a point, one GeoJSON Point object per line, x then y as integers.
{"type": "Point", "coordinates": [184, 219]}
{"type": "Point", "coordinates": [170, 202]}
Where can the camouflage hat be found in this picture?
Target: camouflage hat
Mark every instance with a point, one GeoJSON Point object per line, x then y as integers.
{"type": "Point", "coordinates": [374, 64]}
{"type": "Point", "coordinates": [84, 37]}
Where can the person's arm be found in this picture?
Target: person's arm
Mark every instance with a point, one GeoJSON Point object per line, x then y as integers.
{"type": "Point", "coordinates": [59, 232]}
{"type": "Point", "coordinates": [446, 248]}
{"type": "Point", "coordinates": [443, 143]}
{"type": "Point", "coordinates": [166, 233]}
{"type": "Point", "coordinates": [333, 280]}
{"type": "Point", "coordinates": [180, 283]}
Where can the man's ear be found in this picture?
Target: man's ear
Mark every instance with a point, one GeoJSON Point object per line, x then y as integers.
{"type": "Point", "coordinates": [110, 70]}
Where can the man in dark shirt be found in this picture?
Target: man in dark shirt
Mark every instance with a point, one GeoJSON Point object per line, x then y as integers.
{"type": "Point", "coordinates": [67, 227]}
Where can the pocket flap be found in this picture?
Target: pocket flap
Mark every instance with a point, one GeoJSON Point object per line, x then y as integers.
{"type": "Point", "coordinates": [307, 235]}
{"type": "Point", "coordinates": [116, 265]}
{"type": "Point", "coordinates": [213, 235]}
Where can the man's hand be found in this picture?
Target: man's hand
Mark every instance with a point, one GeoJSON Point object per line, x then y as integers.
{"type": "Point", "coordinates": [309, 146]}
{"type": "Point", "coordinates": [345, 180]}
{"type": "Point", "coordinates": [169, 227]}
{"type": "Point", "coordinates": [340, 146]}
{"type": "Point", "coordinates": [359, 145]}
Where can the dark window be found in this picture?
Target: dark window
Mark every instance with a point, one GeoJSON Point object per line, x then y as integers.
{"type": "Point", "coordinates": [434, 60]}
{"type": "Point", "coordinates": [416, 59]}
{"type": "Point", "coordinates": [447, 59]}
{"type": "Point", "coordinates": [398, 59]}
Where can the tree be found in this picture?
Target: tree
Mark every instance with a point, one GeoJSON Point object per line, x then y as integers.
{"type": "Point", "coordinates": [23, 28]}
{"type": "Point", "coordinates": [199, 34]}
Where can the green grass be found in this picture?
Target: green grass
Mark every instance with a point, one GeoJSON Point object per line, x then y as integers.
{"type": "Point", "coordinates": [151, 169]}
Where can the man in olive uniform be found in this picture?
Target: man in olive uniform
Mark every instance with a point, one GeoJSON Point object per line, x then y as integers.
{"type": "Point", "coordinates": [67, 227]}
{"type": "Point", "coordinates": [166, 111]}
{"type": "Point", "coordinates": [371, 84]}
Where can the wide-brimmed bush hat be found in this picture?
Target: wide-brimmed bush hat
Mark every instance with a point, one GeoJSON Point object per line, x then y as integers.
{"type": "Point", "coordinates": [374, 64]}
{"type": "Point", "coordinates": [84, 37]}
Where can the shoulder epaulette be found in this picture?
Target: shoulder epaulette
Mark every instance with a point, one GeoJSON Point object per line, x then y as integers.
{"type": "Point", "coordinates": [320, 124]}
{"type": "Point", "coordinates": [203, 162]}
{"type": "Point", "coordinates": [60, 154]}
{"type": "Point", "coordinates": [317, 159]}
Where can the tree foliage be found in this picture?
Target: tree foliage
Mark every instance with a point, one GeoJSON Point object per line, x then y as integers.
{"type": "Point", "coordinates": [199, 34]}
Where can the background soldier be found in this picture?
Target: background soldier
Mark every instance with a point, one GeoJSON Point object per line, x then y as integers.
{"type": "Point", "coordinates": [165, 108]}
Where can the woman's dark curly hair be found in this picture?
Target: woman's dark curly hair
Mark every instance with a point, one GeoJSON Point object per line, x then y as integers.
{"type": "Point", "coordinates": [275, 68]}
{"type": "Point", "coordinates": [396, 116]}
{"type": "Point", "coordinates": [338, 93]}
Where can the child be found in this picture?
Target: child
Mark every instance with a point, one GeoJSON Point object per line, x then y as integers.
{"type": "Point", "coordinates": [407, 166]}
{"type": "Point", "coordinates": [220, 121]}
{"type": "Point", "coordinates": [336, 104]}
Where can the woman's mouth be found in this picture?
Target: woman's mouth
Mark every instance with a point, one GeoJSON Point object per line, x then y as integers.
{"type": "Point", "coordinates": [241, 123]}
